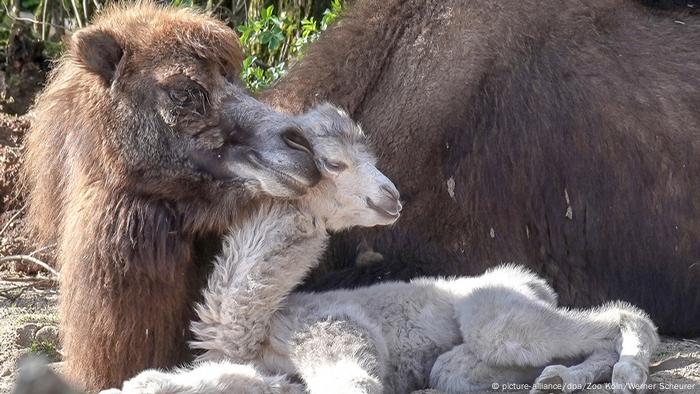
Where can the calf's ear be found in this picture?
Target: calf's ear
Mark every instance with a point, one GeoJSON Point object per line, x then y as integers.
{"type": "Point", "coordinates": [99, 51]}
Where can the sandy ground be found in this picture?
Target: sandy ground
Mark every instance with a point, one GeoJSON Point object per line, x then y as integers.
{"type": "Point", "coordinates": [23, 301]}
{"type": "Point", "coordinates": [27, 300]}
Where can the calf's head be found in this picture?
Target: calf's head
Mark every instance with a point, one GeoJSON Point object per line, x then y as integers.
{"type": "Point", "coordinates": [352, 191]}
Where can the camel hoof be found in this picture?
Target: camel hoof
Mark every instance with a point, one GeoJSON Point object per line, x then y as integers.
{"type": "Point", "coordinates": [629, 377]}
{"type": "Point", "coordinates": [553, 379]}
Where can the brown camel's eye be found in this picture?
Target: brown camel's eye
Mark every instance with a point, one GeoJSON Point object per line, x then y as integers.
{"type": "Point", "coordinates": [293, 138]}
{"type": "Point", "coordinates": [180, 96]}
{"type": "Point", "coordinates": [334, 166]}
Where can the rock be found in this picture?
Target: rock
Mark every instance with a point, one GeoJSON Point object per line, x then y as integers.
{"type": "Point", "coordinates": [57, 367]}
{"type": "Point", "coordinates": [7, 371]}
{"type": "Point", "coordinates": [22, 354]}
{"type": "Point", "coordinates": [47, 334]}
{"type": "Point", "coordinates": [25, 334]}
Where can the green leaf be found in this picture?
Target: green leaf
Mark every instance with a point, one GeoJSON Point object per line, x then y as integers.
{"type": "Point", "coordinates": [267, 12]}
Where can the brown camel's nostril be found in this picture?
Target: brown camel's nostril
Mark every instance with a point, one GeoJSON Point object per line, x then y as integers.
{"type": "Point", "coordinates": [293, 138]}
{"type": "Point", "coordinates": [391, 191]}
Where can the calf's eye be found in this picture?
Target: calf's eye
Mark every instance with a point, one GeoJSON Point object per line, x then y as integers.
{"type": "Point", "coordinates": [334, 166]}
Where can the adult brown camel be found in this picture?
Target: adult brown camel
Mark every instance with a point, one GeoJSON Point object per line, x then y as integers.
{"type": "Point", "coordinates": [143, 143]}
{"type": "Point", "coordinates": [562, 135]}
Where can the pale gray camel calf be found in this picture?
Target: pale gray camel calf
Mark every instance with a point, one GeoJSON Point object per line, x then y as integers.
{"type": "Point", "coordinates": [452, 334]}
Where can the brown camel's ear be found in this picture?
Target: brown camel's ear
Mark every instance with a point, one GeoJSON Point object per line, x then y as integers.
{"type": "Point", "coordinates": [99, 51]}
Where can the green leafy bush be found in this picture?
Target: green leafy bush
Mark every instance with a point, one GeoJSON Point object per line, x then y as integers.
{"type": "Point", "coordinates": [273, 40]}
{"type": "Point", "coordinates": [273, 34]}
{"type": "Point", "coordinates": [46, 349]}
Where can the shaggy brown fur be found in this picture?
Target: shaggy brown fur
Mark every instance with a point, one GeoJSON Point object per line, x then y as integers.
{"type": "Point", "coordinates": [564, 135]}
{"type": "Point", "coordinates": [129, 163]}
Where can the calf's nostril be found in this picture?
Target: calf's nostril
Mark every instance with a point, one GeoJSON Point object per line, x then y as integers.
{"type": "Point", "coordinates": [293, 138]}
{"type": "Point", "coordinates": [389, 207]}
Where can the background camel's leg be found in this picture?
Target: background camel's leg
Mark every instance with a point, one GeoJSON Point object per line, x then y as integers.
{"type": "Point", "coordinates": [209, 378]}
{"type": "Point", "coordinates": [339, 354]}
{"type": "Point", "coordinates": [595, 368]}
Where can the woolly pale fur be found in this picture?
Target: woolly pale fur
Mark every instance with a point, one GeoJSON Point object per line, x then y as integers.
{"type": "Point", "coordinates": [452, 334]}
